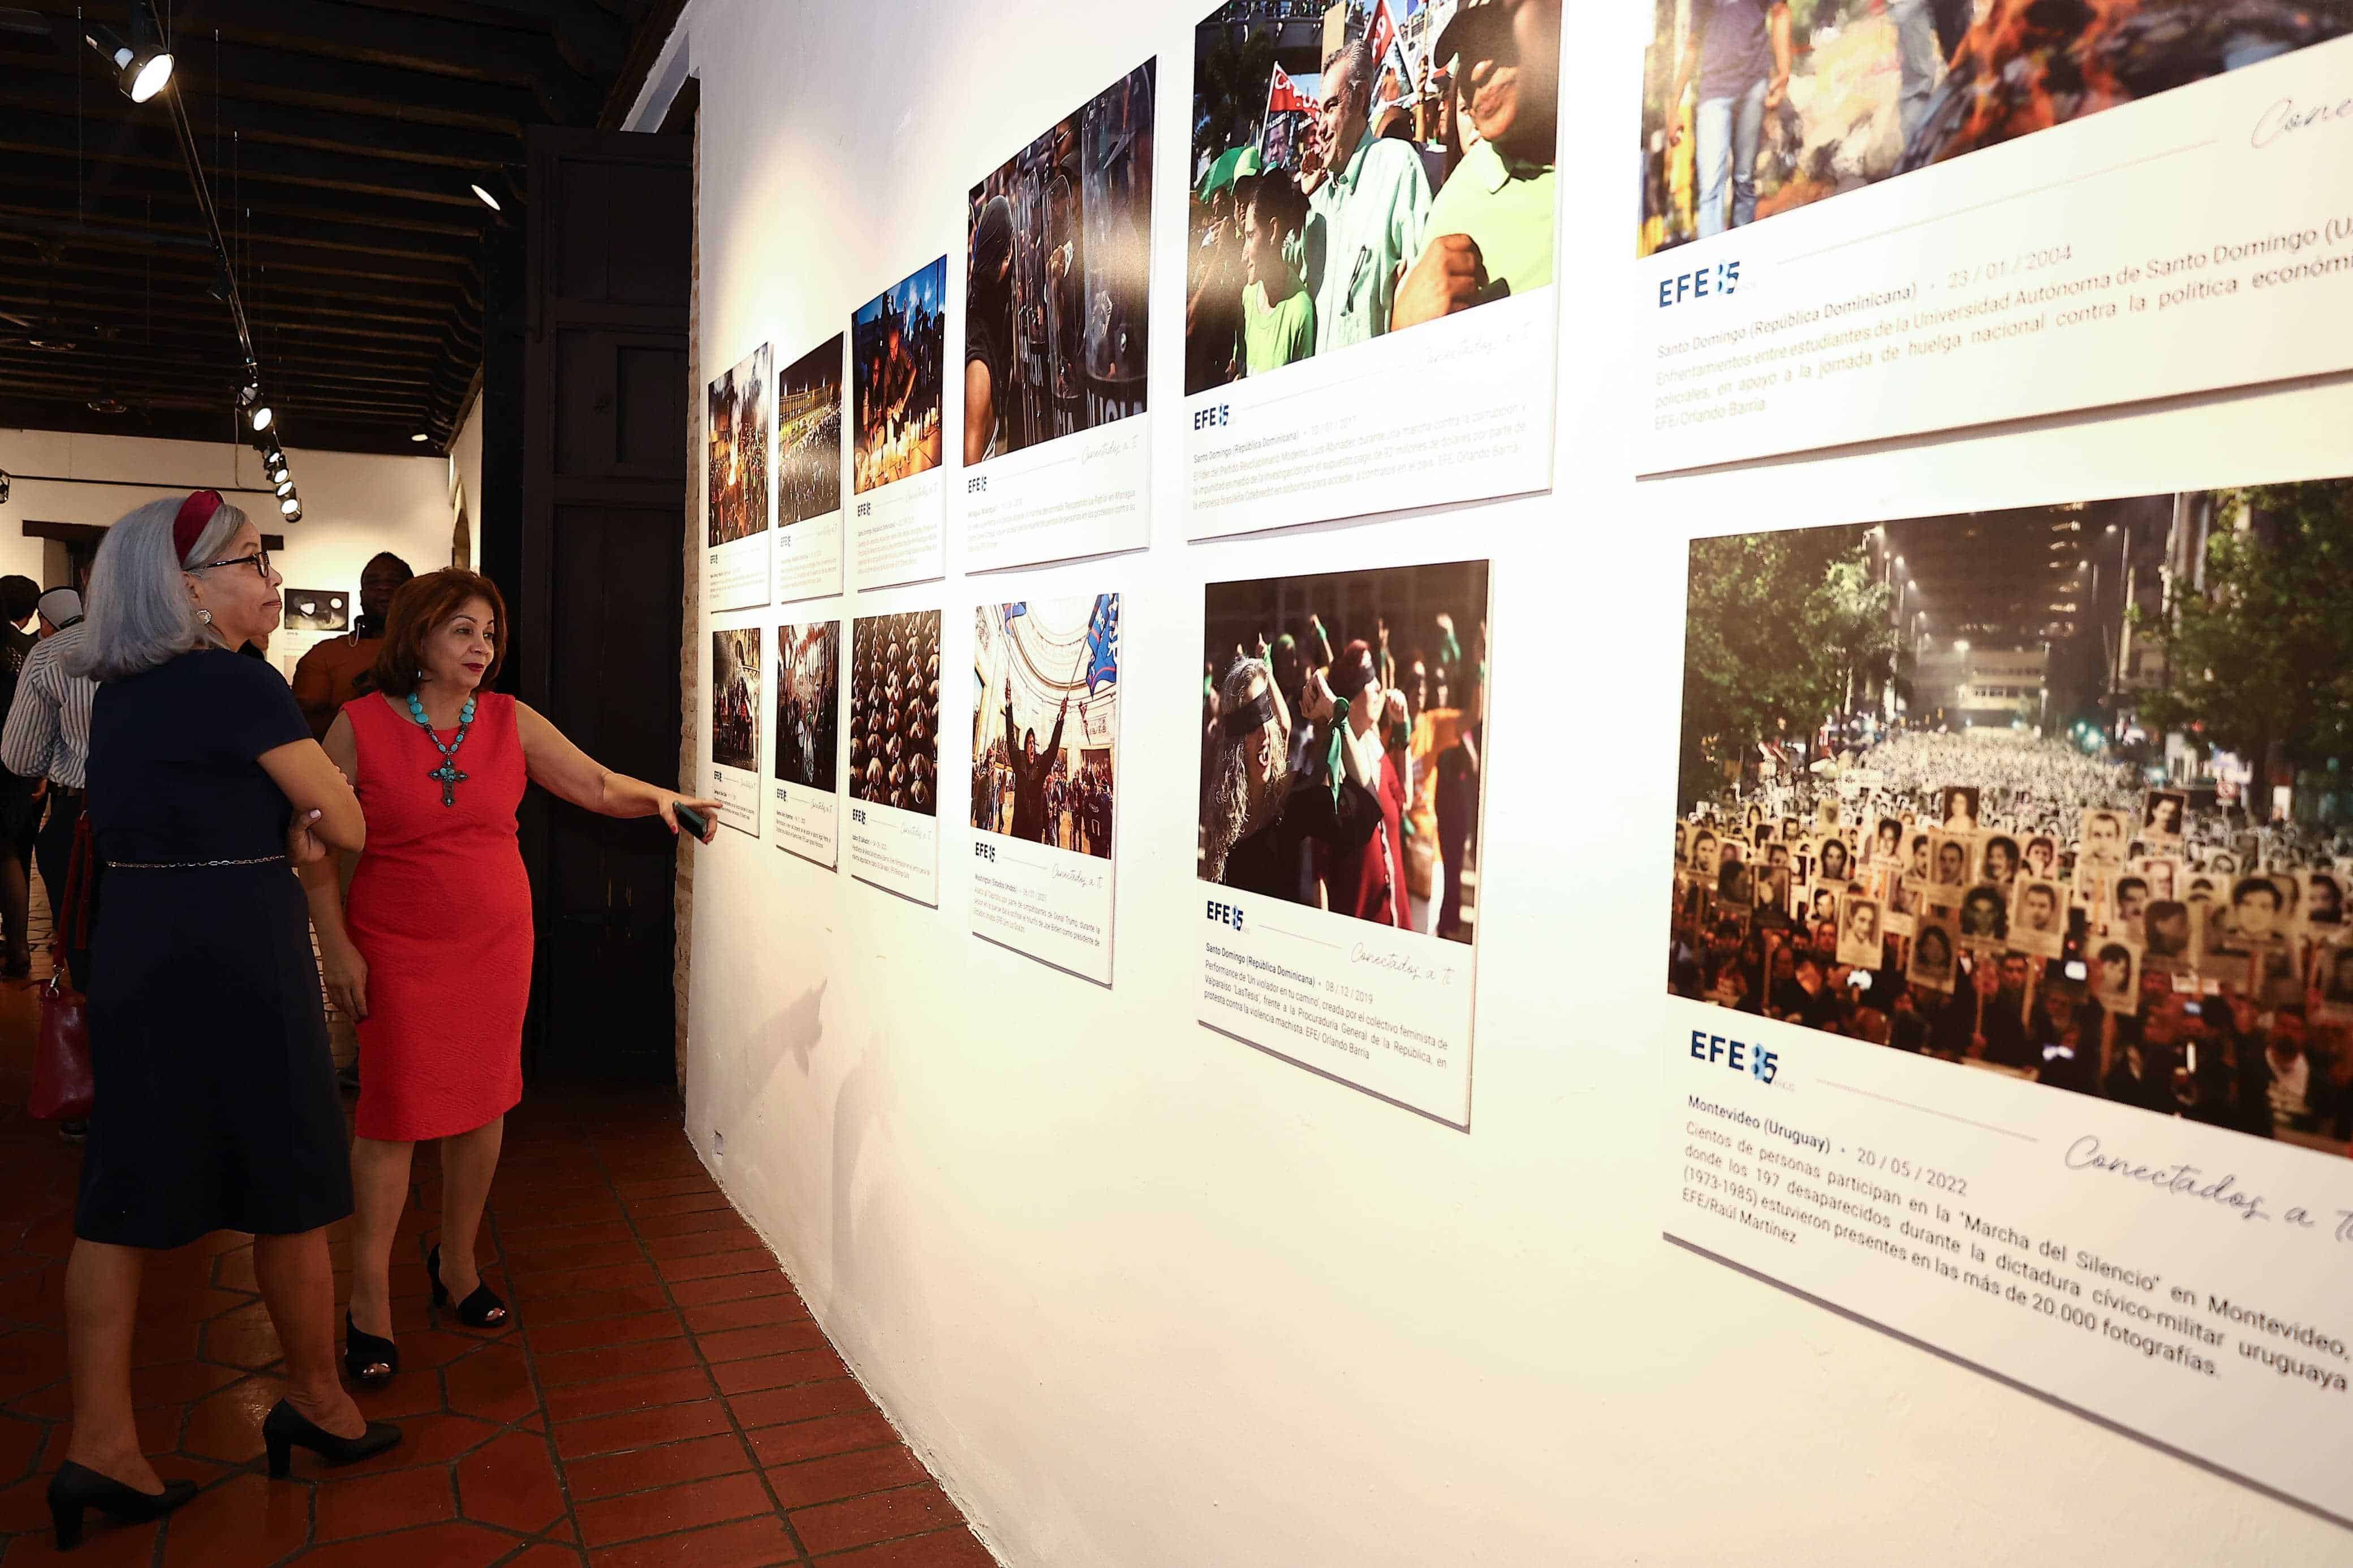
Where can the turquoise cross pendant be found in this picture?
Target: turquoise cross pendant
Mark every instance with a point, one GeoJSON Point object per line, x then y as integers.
{"type": "Point", "coordinates": [450, 779]}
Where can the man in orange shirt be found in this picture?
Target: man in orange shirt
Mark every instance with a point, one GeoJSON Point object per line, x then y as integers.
{"type": "Point", "coordinates": [335, 672]}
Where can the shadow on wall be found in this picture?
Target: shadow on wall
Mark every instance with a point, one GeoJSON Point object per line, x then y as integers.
{"type": "Point", "coordinates": [873, 1238]}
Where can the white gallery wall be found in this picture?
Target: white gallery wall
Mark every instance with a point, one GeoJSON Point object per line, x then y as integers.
{"type": "Point", "coordinates": [1145, 1297]}
{"type": "Point", "coordinates": [353, 504]}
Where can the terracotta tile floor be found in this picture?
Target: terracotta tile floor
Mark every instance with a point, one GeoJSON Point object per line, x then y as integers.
{"type": "Point", "coordinates": [662, 1398]}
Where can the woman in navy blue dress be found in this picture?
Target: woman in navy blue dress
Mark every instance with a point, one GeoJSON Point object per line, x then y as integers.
{"type": "Point", "coordinates": [215, 1104]}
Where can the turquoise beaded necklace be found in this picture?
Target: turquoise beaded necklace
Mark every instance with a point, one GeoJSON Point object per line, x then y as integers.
{"type": "Point", "coordinates": [447, 774]}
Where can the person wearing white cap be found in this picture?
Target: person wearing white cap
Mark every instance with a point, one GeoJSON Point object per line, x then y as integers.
{"type": "Point", "coordinates": [47, 737]}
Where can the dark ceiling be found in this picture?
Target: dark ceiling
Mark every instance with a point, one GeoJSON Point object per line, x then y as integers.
{"type": "Point", "coordinates": [339, 140]}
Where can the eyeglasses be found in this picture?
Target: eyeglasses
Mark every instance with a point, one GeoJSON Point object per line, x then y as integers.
{"type": "Point", "coordinates": [259, 561]}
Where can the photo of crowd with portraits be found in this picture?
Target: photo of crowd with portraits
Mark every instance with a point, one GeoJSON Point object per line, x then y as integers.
{"type": "Point", "coordinates": [1044, 731]}
{"type": "Point", "coordinates": [1059, 267]}
{"type": "Point", "coordinates": [808, 698]}
{"type": "Point", "coordinates": [809, 435]}
{"type": "Point", "coordinates": [735, 699]}
{"type": "Point", "coordinates": [1752, 108]}
{"type": "Point", "coordinates": [896, 342]}
{"type": "Point", "coordinates": [736, 433]}
{"type": "Point", "coordinates": [2053, 793]}
{"type": "Point", "coordinates": [1362, 168]}
{"type": "Point", "coordinates": [1343, 742]}
{"type": "Point", "coordinates": [894, 711]}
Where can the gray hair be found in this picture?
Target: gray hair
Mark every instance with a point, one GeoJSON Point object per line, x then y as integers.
{"type": "Point", "coordinates": [1357, 55]}
{"type": "Point", "coordinates": [139, 615]}
{"type": "Point", "coordinates": [1226, 793]}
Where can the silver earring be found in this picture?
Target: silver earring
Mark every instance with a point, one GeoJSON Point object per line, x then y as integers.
{"type": "Point", "coordinates": [205, 617]}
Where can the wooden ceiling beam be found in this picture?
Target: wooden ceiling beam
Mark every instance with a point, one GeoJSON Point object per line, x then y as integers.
{"type": "Point", "coordinates": [408, 42]}
{"type": "Point", "coordinates": [377, 436]}
{"type": "Point", "coordinates": [97, 278]}
{"type": "Point", "coordinates": [395, 137]}
{"type": "Point", "coordinates": [264, 176]}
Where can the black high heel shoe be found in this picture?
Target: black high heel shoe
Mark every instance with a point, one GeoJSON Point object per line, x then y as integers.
{"type": "Point", "coordinates": [285, 1428]}
{"type": "Point", "coordinates": [76, 1489]}
{"type": "Point", "coordinates": [483, 1309]}
{"type": "Point", "coordinates": [370, 1359]}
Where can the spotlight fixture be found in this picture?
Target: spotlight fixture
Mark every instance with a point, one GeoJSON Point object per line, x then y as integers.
{"type": "Point", "coordinates": [421, 435]}
{"type": "Point", "coordinates": [285, 489]}
{"type": "Point", "coordinates": [486, 199]}
{"type": "Point", "coordinates": [3, 487]}
{"type": "Point", "coordinates": [249, 398]}
{"type": "Point", "coordinates": [293, 512]}
{"type": "Point", "coordinates": [291, 506]}
{"type": "Point", "coordinates": [141, 70]}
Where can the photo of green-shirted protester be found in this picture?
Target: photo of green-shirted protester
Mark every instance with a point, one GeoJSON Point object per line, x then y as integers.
{"type": "Point", "coordinates": [1361, 169]}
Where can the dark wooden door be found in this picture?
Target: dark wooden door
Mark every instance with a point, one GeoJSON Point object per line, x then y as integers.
{"type": "Point", "coordinates": [610, 249]}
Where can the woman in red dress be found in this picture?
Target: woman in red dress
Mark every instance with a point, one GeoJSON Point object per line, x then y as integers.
{"type": "Point", "coordinates": [431, 949]}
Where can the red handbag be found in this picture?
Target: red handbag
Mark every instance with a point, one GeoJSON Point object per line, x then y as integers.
{"type": "Point", "coordinates": [63, 1087]}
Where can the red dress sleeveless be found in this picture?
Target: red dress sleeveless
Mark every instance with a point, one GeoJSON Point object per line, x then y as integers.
{"type": "Point", "coordinates": [441, 910]}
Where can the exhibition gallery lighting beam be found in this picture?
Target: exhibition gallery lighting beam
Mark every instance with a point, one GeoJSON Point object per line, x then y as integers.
{"type": "Point", "coordinates": [144, 72]}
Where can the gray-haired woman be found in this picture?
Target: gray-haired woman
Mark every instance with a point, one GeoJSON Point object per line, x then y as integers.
{"type": "Point", "coordinates": [1259, 818]}
{"type": "Point", "coordinates": [216, 1097]}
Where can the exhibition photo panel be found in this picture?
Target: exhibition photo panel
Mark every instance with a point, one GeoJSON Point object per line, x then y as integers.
{"type": "Point", "coordinates": [806, 793]}
{"type": "Point", "coordinates": [735, 724]}
{"type": "Point", "coordinates": [1058, 269]}
{"type": "Point", "coordinates": [1343, 771]}
{"type": "Point", "coordinates": [1370, 314]}
{"type": "Point", "coordinates": [2028, 1042]}
{"type": "Point", "coordinates": [1045, 756]}
{"type": "Point", "coordinates": [1862, 219]}
{"type": "Point", "coordinates": [736, 435]}
{"type": "Point", "coordinates": [894, 752]}
{"type": "Point", "coordinates": [898, 346]}
{"type": "Point", "coordinates": [809, 475]}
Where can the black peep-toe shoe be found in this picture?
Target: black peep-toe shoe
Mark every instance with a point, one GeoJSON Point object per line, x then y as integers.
{"type": "Point", "coordinates": [371, 1359]}
{"type": "Point", "coordinates": [285, 1428]}
{"type": "Point", "coordinates": [483, 1309]}
{"type": "Point", "coordinates": [76, 1489]}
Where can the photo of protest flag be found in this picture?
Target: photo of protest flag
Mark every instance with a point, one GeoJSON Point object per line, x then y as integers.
{"type": "Point", "coordinates": [1058, 269]}
{"type": "Point", "coordinates": [1343, 743]}
{"type": "Point", "coordinates": [1404, 178]}
{"type": "Point", "coordinates": [2011, 684]}
{"type": "Point", "coordinates": [1044, 731]}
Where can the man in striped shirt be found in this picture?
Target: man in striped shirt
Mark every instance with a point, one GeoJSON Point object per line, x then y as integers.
{"type": "Point", "coordinates": [47, 737]}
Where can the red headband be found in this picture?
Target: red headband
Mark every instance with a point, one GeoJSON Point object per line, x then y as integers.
{"type": "Point", "coordinates": [195, 515]}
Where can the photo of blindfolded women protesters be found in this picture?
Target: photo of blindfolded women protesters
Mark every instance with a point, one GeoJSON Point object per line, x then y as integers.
{"type": "Point", "coordinates": [2101, 889]}
{"type": "Point", "coordinates": [1343, 742]}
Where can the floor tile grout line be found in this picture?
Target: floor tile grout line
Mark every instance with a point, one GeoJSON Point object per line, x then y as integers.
{"type": "Point", "coordinates": [735, 1424]}
{"type": "Point", "coordinates": [538, 1389]}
